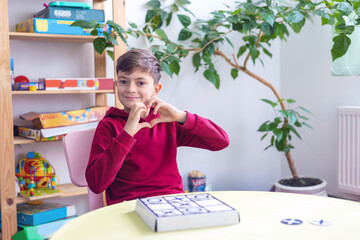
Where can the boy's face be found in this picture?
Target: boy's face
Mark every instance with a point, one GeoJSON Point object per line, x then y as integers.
{"type": "Point", "coordinates": [135, 87]}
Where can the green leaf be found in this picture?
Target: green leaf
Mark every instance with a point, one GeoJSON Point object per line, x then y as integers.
{"type": "Point", "coordinates": [196, 59]}
{"type": "Point", "coordinates": [273, 104]}
{"type": "Point", "coordinates": [234, 73]}
{"type": "Point", "coordinates": [267, 52]}
{"type": "Point", "coordinates": [321, 13]}
{"type": "Point", "coordinates": [110, 39]}
{"type": "Point", "coordinates": [166, 68]}
{"type": "Point", "coordinates": [241, 51]}
{"type": "Point", "coordinates": [133, 25]}
{"type": "Point", "coordinates": [161, 33]}
{"type": "Point", "coordinates": [185, 20]}
{"type": "Point", "coordinates": [251, 39]}
{"type": "Point", "coordinates": [149, 15]}
{"type": "Point", "coordinates": [340, 47]}
{"type": "Point", "coordinates": [182, 2]}
{"type": "Point", "coordinates": [184, 34]}
{"type": "Point", "coordinates": [268, 147]}
{"type": "Point", "coordinates": [267, 29]}
{"type": "Point", "coordinates": [262, 138]}
{"type": "Point", "coordinates": [111, 54]}
{"type": "Point", "coordinates": [295, 17]}
{"type": "Point", "coordinates": [298, 26]}
{"type": "Point", "coordinates": [175, 67]}
{"type": "Point", "coordinates": [249, 25]}
{"type": "Point", "coordinates": [344, 7]}
{"type": "Point", "coordinates": [304, 123]}
{"type": "Point", "coordinates": [170, 47]}
{"type": "Point", "coordinates": [94, 32]}
{"type": "Point", "coordinates": [264, 127]}
{"type": "Point", "coordinates": [305, 110]}
{"type": "Point", "coordinates": [100, 45]}
{"type": "Point", "coordinates": [293, 130]}
{"type": "Point", "coordinates": [213, 77]}
{"type": "Point", "coordinates": [278, 132]}
{"type": "Point", "coordinates": [284, 113]}
{"type": "Point", "coordinates": [154, 4]}
{"type": "Point", "coordinates": [268, 15]}
{"type": "Point", "coordinates": [292, 117]}
{"type": "Point", "coordinates": [254, 52]}
{"type": "Point", "coordinates": [251, 8]}
{"type": "Point", "coordinates": [168, 19]}
{"type": "Point", "coordinates": [230, 43]}
{"type": "Point", "coordinates": [290, 100]}
{"type": "Point", "coordinates": [116, 27]}
{"type": "Point", "coordinates": [83, 24]}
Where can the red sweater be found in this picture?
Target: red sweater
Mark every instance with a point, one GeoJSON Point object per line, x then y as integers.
{"type": "Point", "coordinates": [145, 165]}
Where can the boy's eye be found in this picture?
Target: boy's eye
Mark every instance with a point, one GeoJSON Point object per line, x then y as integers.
{"type": "Point", "coordinates": [122, 82]}
{"type": "Point", "coordinates": [141, 83]}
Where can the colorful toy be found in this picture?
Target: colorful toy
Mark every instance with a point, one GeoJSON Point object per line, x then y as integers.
{"type": "Point", "coordinates": [36, 176]}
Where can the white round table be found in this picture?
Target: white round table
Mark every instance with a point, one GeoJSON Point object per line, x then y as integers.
{"type": "Point", "coordinates": [261, 214]}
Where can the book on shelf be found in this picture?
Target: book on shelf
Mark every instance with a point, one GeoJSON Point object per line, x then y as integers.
{"type": "Point", "coordinates": [185, 211]}
{"type": "Point", "coordinates": [28, 214]}
{"type": "Point", "coordinates": [52, 134]}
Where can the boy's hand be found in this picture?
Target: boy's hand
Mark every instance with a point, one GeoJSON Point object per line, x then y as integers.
{"type": "Point", "coordinates": [167, 113]}
{"type": "Point", "coordinates": [132, 125]}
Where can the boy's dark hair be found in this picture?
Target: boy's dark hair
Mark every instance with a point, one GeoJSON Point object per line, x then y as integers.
{"type": "Point", "coordinates": [140, 59]}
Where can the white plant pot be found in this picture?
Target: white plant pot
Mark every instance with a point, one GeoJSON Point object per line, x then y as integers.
{"type": "Point", "coordinates": [319, 190]}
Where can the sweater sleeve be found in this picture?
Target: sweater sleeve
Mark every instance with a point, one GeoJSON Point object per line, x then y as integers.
{"type": "Point", "coordinates": [107, 155]}
{"type": "Point", "coordinates": [201, 133]}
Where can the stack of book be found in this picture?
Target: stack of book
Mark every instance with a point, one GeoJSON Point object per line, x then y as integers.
{"type": "Point", "coordinates": [42, 220]}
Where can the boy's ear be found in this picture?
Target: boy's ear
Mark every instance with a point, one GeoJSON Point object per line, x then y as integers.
{"type": "Point", "coordinates": [157, 88]}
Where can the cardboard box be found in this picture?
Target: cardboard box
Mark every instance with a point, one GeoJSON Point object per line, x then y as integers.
{"type": "Point", "coordinates": [185, 211]}
{"type": "Point", "coordinates": [36, 134]}
{"type": "Point", "coordinates": [55, 26]}
{"type": "Point", "coordinates": [25, 86]}
{"type": "Point", "coordinates": [66, 118]}
{"type": "Point", "coordinates": [58, 84]}
{"type": "Point", "coordinates": [71, 13]}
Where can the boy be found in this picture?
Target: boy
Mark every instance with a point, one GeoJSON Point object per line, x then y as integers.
{"type": "Point", "coordinates": [133, 153]}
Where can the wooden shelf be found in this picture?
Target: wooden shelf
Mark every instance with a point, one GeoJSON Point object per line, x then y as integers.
{"type": "Point", "coordinates": [68, 189]}
{"type": "Point", "coordinates": [50, 37]}
{"type": "Point", "coordinates": [20, 140]}
{"type": "Point", "coordinates": [60, 92]}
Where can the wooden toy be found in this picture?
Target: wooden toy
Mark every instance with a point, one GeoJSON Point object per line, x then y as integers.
{"type": "Point", "coordinates": [37, 178]}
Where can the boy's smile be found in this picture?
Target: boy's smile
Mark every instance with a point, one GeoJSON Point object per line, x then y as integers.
{"type": "Point", "coordinates": [135, 87]}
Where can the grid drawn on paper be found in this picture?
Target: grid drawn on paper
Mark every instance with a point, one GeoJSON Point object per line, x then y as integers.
{"type": "Point", "coordinates": [187, 204]}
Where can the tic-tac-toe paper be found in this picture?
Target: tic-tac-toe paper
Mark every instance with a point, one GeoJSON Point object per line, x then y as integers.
{"type": "Point", "coordinates": [186, 211]}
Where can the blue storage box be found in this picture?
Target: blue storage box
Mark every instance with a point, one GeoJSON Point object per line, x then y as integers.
{"type": "Point", "coordinates": [71, 13]}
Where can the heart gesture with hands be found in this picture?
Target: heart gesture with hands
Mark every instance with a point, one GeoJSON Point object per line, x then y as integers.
{"type": "Point", "coordinates": [167, 113]}
{"type": "Point", "coordinates": [132, 125]}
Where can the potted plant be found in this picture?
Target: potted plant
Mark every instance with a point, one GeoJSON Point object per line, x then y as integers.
{"type": "Point", "coordinates": [257, 23]}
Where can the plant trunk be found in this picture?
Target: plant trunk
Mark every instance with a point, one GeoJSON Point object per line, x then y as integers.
{"type": "Point", "coordinates": [289, 158]}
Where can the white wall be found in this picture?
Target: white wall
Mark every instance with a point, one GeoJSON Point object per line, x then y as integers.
{"type": "Point", "coordinates": [236, 106]}
{"type": "Point", "coordinates": [306, 77]}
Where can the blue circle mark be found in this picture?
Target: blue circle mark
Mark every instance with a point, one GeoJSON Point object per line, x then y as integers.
{"type": "Point", "coordinates": [291, 221]}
